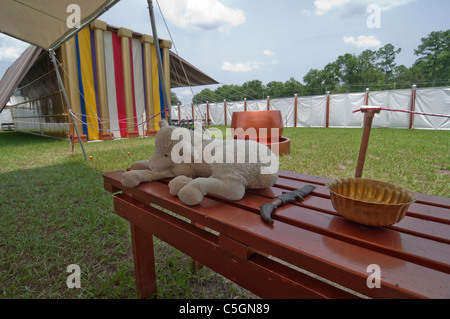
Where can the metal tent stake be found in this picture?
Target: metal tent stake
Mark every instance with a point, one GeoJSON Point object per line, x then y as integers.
{"type": "Point", "coordinates": [369, 113]}
{"type": "Point", "coordinates": [61, 85]}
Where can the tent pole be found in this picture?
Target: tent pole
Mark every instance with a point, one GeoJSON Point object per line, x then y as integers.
{"type": "Point", "coordinates": [158, 57]}
{"type": "Point", "coordinates": [61, 85]}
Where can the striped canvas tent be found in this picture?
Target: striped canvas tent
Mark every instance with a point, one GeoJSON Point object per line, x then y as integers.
{"type": "Point", "coordinates": [111, 78]}
{"type": "Point", "coordinates": [119, 89]}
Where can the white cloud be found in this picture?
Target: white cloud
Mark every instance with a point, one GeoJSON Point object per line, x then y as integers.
{"type": "Point", "coordinates": [363, 41]}
{"type": "Point", "coordinates": [240, 67]}
{"type": "Point", "coordinates": [10, 48]}
{"type": "Point", "coordinates": [306, 13]}
{"type": "Point", "coordinates": [268, 52]}
{"type": "Point", "coordinates": [351, 7]}
{"type": "Point", "coordinates": [204, 14]}
{"type": "Point", "coordinates": [323, 6]}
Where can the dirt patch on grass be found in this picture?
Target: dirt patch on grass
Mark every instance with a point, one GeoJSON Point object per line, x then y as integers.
{"type": "Point", "coordinates": [444, 172]}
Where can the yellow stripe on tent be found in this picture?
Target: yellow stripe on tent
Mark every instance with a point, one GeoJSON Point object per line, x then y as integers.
{"type": "Point", "coordinates": [87, 75]}
{"type": "Point", "coordinates": [155, 83]}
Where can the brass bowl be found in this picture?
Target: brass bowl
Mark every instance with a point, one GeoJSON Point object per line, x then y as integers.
{"type": "Point", "coordinates": [370, 202]}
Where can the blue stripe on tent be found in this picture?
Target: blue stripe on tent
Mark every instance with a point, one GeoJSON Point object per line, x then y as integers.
{"type": "Point", "coordinates": [145, 83]}
{"type": "Point", "coordinates": [161, 95]}
{"type": "Point", "coordinates": [94, 70]}
{"type": "Point", "coordinates": [80, 83]}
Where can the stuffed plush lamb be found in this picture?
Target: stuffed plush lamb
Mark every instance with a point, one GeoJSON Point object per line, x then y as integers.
{"type": "Point", "coordinates": [202, 165]}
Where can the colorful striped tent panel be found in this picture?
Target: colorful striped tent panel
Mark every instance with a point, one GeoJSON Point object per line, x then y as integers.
{"type": "Point", "coordinates": [115, 85]}
{"type": "Point", "coordinates": [158, 99]}
{"type": "Point", "coordinates": [87, 86]}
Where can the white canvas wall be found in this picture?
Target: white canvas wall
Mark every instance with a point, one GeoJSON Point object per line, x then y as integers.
{"type": "Point", "coordinates": [312, 110]}
{"type": "Point", "coordinates": [432, 101]}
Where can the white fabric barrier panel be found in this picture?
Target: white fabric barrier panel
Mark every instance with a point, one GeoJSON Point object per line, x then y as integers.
{"type": "Point", "coordinates": [380, 98]}
{"type": "Point", "coordinates": [286, 107]}
{"type": "Point", "coordinates": [342, 107]}
{"type": "Point", "coordinates": [432, 101]}
{"type": "Point", "coordinates": [257, 105]}
{"type": "Point", "coordinates": [216, 114]}
{"type": "Point", "coordinates": [200, 112]}
{"type": "Point", "coordinates": [6, 116]}
{"type": "Point", "coordinates": [399, 100]}
{"type": "Point", "coordinates": [312, 110]}
{"type": "Point", "coordinates": [233, 107]}
{"type": "Point", "coordinates": [174, 112]}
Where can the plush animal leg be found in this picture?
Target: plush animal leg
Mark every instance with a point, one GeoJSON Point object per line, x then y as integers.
{"type": "Point", "coordinates": [193, 193]}
{"type": "Point", "coordinates": [141, 165]}
{"type": "Point", "coordinates": [134, 178]}
{"type": "Point", "coordinates": [178, 183]}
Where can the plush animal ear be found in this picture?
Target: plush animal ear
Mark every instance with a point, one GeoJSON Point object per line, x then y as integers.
{"type": "Point", "coordinates": [163, 123]}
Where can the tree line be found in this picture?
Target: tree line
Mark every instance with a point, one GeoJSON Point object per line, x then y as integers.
{"type": "Point", "coordinates": [377, 70]}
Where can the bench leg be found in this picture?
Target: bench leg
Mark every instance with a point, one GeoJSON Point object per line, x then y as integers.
{"type": "Point", "coordinates": [195, 265]}
{"type": "Point", "coordinates": [144, 262]}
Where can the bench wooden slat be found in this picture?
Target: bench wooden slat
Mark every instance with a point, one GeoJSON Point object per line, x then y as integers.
{"type": "Point", "coordinates": [432, 229]}
{"type": "Point", "coordinates": [418, 209]}
{"type": "Point", "coordinates": [323, 255]}
{"type": "Point", "coordinates": [431, 200]}
{"type": "Point", "coordinates": [258, 274]}
{"type": "Point", "coordinates": [427, 252]}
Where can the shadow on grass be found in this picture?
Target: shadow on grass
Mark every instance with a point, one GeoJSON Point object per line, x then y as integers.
{"type": "Point", "coordinates": [54, 216]}
{"type": "Point", "coordinates": [23, 139]}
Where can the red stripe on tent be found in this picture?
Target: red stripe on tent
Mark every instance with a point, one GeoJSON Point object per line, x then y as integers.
{"type": "Point", "coordinates": [132, 87]}
{"type": "Point", "coordinates": [120, 95]}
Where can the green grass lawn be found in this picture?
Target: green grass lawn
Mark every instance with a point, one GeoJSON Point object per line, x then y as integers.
{"type": "Point", "coordinates": [54, 211]}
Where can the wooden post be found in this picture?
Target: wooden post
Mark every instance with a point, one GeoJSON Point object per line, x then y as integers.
{"type": "Point", "coordinates": [413, 107]}
{"type": "Point", "coordinates": [125, 36]}
{"type": "Point", "coordinates": [245, 104]}
{"type": "Point", "coordinates": [225, 110]}
{"type": "Point", "coordinates": [367, 96]}
{"type": "Point", "coordinates": [268, 103]}
{"type": "Point", "coordinates": [193, 114]}
{"type": "Point", "coordinates": [328, 110]}
{"type": "Point", "coordinates": [369, 113]}
{"type": "Point", "coordinates": [207, 112]}
{"type": "Point", "coordinates": [295, 110]}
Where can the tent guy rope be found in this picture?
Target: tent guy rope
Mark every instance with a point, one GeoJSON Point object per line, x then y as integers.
{"type": "Point", "coordinates": [405, 111]}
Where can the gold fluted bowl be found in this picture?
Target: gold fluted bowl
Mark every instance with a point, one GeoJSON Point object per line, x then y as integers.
{"type": "Point", "coordinates": [370, 202]}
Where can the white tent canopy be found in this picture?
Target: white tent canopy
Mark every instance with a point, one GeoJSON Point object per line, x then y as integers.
{"type": "Point", "coordinates": [44, 23]}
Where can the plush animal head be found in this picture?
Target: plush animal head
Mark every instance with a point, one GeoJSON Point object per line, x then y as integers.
{"type": "Point", "coordinates": [172, 145]}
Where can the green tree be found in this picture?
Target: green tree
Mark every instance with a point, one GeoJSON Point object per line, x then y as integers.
{"type": "Point", "coordinates": [367, 65]}
{"type": "Point", "coordinates": [292, 87]}
{"type": "Point", "coordinates": [313, 81]}
{"type": "Point", "coordinates": [386, 61]}
{"type": "Point", "coordinates": [174, 98]}
{"type": "Point", "coordinates": [406, 77]}
{"type": "Point", "coordinates": [434, 55]}
{"type": "Point", "coordinates": [254, 90]}
{"type": "Point", "coordinates": [203, 96]}
{"type": "Point", "coordinates": [275, 89]}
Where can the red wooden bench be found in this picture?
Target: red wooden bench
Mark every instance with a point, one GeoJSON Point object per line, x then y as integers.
{"type": "Point", "coordinates": [333, 253]}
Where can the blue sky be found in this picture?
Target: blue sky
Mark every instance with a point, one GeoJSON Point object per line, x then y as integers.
{"type": "Point", "coordinates": [235, 41]}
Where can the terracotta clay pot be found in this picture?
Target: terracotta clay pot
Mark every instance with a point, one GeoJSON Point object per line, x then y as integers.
{"type": "Point", "coordinates": [265, 127]}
